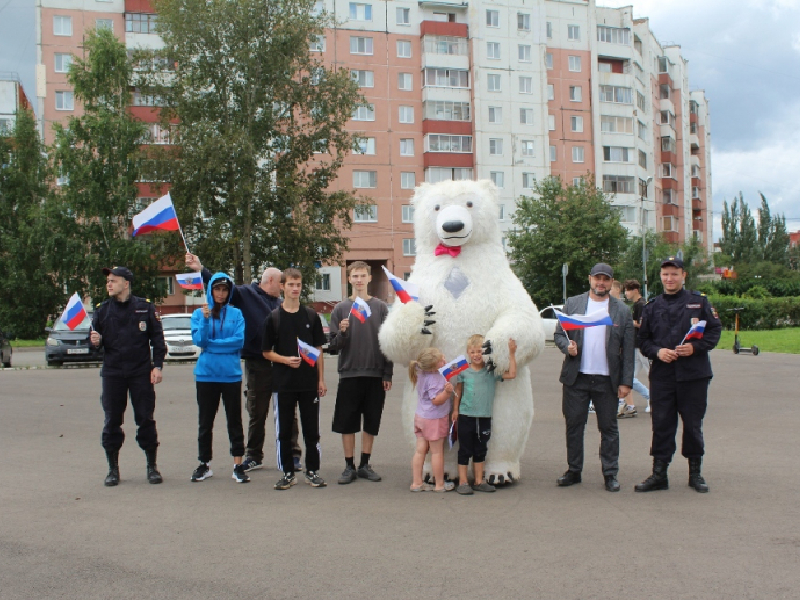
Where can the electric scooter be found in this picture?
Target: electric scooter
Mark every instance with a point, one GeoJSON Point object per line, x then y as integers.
{"type": "Point", "coordinates": [737, 346]}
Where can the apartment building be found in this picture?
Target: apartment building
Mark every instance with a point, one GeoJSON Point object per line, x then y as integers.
{"type": "Point", "coordinates": [12, 99]}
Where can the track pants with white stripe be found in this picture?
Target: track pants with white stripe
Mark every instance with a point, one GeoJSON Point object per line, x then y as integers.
{"type": "Point", "coordinates": [284, 408]}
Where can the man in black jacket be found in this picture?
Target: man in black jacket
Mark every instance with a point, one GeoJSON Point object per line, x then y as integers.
{"type": "Point", "coordinates": [127, 327]}
{"type": "Point", "coordinates": [256, 301]}
{"type": "Point", "coordinates": [680, 375]}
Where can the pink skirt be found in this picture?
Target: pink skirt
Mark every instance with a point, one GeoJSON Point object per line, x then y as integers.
{"type": "Point", "coordinates": [431, 429]}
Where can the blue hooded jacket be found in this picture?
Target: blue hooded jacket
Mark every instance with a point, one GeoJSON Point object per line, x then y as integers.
{"type": "Point", "coordinates": [220, 340]}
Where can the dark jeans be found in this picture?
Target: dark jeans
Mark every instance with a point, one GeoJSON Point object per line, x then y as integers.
{"type": "Point", "coordinates": [575, 406]}
{"type": "Point", "coordinates": [668, 399]}
{"type": "Point", "coordinates": [284, 404]}
{"type": "Point", "coordinates": [259, 392]}
{"type": "Point", "coordinates": [208, 395]}
{"type": "Point", "coordinates": [115, 401]}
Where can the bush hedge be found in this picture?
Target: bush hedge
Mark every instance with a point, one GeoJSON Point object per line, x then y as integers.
{"type": "Point", "coordinates": [759, 313]}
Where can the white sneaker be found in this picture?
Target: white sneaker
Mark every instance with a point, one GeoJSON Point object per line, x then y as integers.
{"type": "Point", "coordinates": [591, 407]}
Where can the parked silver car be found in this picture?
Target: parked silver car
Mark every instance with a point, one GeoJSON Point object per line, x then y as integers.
{"type": "Point", "coordinates": [549, 320]}
{"type": "Point", "coordinates": [178, 337]}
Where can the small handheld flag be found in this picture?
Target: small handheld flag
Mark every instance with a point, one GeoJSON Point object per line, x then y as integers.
{"type": "Point", "coordinates": [307, 352]}
{"type": "Point", "coordinates": [159, 216]}
{"type": "Point", "coordinates": [572, 322]}
{"type": "Point", "coordinates": [190, 281]}
{"type": "Point", "coordinates": [695, 332]}
{"type": "Point", "coordinates": [74, 313]}
{"type": "Point", "coordinates": [454, 367]}
{"type": "Point", "coordinates": [404, 290]}
{"type": "Point", "coordinates": [361, 309]}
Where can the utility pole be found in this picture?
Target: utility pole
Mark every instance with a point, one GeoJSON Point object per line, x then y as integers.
{"type": "Point", "coordinates": [643, 230]}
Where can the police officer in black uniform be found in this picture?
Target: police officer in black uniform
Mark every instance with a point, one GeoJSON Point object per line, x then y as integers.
{"type": "Point", "coordinates": [126, 327]}
{"type": "Point", "coordinates": [680, 375]}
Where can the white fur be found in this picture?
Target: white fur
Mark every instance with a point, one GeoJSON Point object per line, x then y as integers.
{"type": "Point", "coordinates": [493, 303]}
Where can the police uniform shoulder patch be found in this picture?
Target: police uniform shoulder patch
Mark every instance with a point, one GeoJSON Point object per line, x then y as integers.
{"type": "Point", "coordinates": [714, 312]}
{"type": "Point", "coordinates": [696, 293]}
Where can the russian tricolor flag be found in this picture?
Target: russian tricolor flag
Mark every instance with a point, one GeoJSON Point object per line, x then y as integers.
{"type": "Point", "coordinates": [404, 290]}
{"type": "Point", "coordinates": [74, 313]}
{"type": "Point", "coordinates": [695, 332]}
{"type": "Point", "coordinates": [159, 216]}
{"type": "Point", "coordinates": [361, 309]}
{"type": "Point", "coordinates": [307, 353]}
{"type": "Point", "coordinates": [190, 281]}
{"type": "Point", "coordinates": [454, 367]}
{"type": "Point", "coordinates": [572, 322]}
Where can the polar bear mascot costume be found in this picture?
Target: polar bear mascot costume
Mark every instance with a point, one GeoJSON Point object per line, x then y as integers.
{"type": "Point", "coordinates": [462, 272]}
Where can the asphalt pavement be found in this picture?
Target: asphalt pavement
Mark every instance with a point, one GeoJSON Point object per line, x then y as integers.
{"type": "Point", "coordinates": [64, 535]}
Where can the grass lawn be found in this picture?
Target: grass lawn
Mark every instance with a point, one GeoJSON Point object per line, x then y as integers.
{"type": "Point", "coordinates": [26, 343]}
{"type": "Point", "coordinates": [785, 341]}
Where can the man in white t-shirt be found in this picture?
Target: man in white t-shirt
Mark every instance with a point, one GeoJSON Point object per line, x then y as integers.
{"type": "Point", "coordinates": [598, 368]}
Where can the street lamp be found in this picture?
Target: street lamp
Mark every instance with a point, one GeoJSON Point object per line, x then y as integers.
{"type": "Point", "coordinates": [643, 230]}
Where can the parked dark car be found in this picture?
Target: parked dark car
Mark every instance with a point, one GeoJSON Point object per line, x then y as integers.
{"type": "Point", "coordinates": [5, 349]}
{"type": "Point", "coordinates": [68, 346]}
{"type": "Point", "coordinates": [327, 331]}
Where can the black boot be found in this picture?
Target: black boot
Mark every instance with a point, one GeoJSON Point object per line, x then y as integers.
{"type": "Point", "coordinates": [113, 468]}
{"type": "Point", "coordinates": [695, 478]}
{"type": "Point", "coordinates": [153, 476]}
{"type": "Point", "coordinates": [656, 481]}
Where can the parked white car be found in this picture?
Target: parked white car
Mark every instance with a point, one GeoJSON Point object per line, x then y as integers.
{"type": "Point", "coordinates": [549, 320]}
{"type": "Point", "coordinates": [178, 336]}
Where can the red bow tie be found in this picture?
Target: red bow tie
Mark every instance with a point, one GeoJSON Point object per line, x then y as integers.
{"type": "Point", "coordinates": [451, 250]}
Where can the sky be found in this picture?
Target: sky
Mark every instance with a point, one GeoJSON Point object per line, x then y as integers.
{"type": "Point", "coordinates": [745, 54]}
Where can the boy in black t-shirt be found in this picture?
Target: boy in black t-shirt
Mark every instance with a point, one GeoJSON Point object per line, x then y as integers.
{"type": "Point", "coordinates": [294, 381]}
{"type": "Point", "coordinates": [632, 293]}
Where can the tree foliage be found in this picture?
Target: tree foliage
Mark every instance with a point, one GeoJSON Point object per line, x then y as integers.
{"type": "Point", "coordinates": [744, 241]}
{"type": "Point", "coordinates": [251, 106]}
{"type": "Point", "coordinates": [574, 225]}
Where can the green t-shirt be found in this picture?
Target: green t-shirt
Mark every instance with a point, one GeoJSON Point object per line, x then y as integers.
{"type": "Point", "coordinates": [477, 397]}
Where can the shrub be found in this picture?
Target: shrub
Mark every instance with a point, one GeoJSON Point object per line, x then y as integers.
{"type": "Point", "coordinates": [759, 313]}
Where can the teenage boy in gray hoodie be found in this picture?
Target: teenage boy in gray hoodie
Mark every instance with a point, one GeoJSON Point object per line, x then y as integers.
{"type": "Point", "coordinates": [365, 374]}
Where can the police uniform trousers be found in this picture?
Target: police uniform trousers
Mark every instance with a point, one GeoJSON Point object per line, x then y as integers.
{"type": "Point", "coordinates": [668, 399]}
{"type": "Point", "coordinates": [575, 406]}
{"type": "Point", "coordinates": [115, 401]}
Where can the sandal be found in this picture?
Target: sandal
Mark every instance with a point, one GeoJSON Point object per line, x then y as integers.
{"type": "Point", "coordinates": [449, 486]}
{"type": "Point", "coordinates": [425, 487]}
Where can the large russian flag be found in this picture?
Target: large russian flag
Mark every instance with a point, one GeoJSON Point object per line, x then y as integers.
{"type": "Point", "coordinates": [307, 353]}
{"type": "Point", "coordinates": [407, 292]}
{"type": "Point", "coordinates": [572, 322]}
{"type": "Point", "coordinates": [74, 313]}
{"type": "Point", "coordinates": [159, 216]}
{"type": "Point", "coordinates": [454, 367]}
{"type": "Point", "coordinates": [695, 332]}
{"type": "Point", "coordinates": [360, 309]}
{"type": "Point", "coordinates": [190, 281]}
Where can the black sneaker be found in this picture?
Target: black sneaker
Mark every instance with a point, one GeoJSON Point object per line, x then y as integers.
{"type": "Point", "coordinates": [250, 464]}
{"type": "Point", "coordinates": [202, 472]}
{"type": "Point", "coordinates": [314, 480]}
{"type": "Point", "coordinates": [349, 475]}
{"type": "Point", "coordinates": [366, 472]}
{"type": "Point", "coordinates": [285, 482]}
{"type": "Point", "coordinates": [239, 475]}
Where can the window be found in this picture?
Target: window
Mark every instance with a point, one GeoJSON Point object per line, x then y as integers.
{"type": "Point", "coordinates": [553, 154]}
{"type": "Point", "coordinates": [642, 131]}
{"type": "Point", "coordinates": [693, 128]}
{"type": "Point", "coordinates": [577, 154]}
{"type": "Point", "coordinates": [524, 52]}
{"type": "Point", "coordinates": [140, 23]}
{"type": "Point", "coordinates": [669, 197]}
{"type": "Point", "coordinates": [609, 124]}
{"type": "Point", "coordinates": [668, 144]}
{"type": "Point", "coordinates": [495, 146]}
{"type": "Point", "coordinates": [408, 181]}
{"type": "Point", "coordinates": [62, 62]}
{"type": "Point", "coordinates": [527, 147]}
{"type": "Point", "coordinates": [664, 91]}
{"type": "Point", "coordinates": [492, 50]}
{"type": "Point", "coordinates": [551, 123]}
{"type": "Point", "coordinates": [409, 247]}
{"type": "Point", "coordinates": [613, 35]}
{"type": "Point", "coordinates": [627, 214]}
{"type": "Point", "coordinates": [364, 113]}
{"type": "Point", "coordinates": [406, 114]}
{"type": "Point", "coordinates": [551, 92]}
{"type": "Point", "coordinates": [669, 223]}
{"type": "Point", "coordinates": [548, 61]}
{"type": "Point", "coordinates": [549, 28]}
{"type": "Point", "coordinates": [445, 110]}
{"type": "Point", "coordinates": [495, 114]}
{"type": "Point", "coordinates": [366, 145]}
{"type": "Point", "coordinates": [403, 48]}
{"type": "Point", "coordinates": [407, 147]}
{"type": "Point", "coordinates": [492, 18]}
{"type": "Point", "coordinates": [526, 85]}
{"type": "Point", "coordinates": [643, 188]}
{"type": "Point", "coordinates": [365, 213]}
{"type": "Point", "coordinates": [493, 81]}
{"type": "Point", "coordinates": [574, 64]}
{"type": "Point", "coordinates": [405, 82]}
{"type": "Point", "coordinates": [403, 16]}
{"type": "Point", "coordinates": [323, 282]}
{"type": "Point", "coordinates": [526, 116]}
{"type": "Point", "coordinates": [668, 170]}
{"type": "Point", "coordinates": [575, 94]}
{"type": "Point", "coordinates": [449, 143]}
{"type": "Point", "coordinates": [695, 192]}
{"type": "Point", "coordinates": [577, 181]}
{"type": "Point", "coordinates": [62, 25]}
{"type": "Point", "coordinates": [65, 101]}
{"type": "Point", "coordinates": [643, 159]}
{"type": "Point", "coordinates": [364, 78]}
{"type": "Point", "coordinates": [667, 118]}
{"type": "Point", "coordinates": [619, 95]}
{"type": "Point", "coordinates": [576, 123]}
{"type": "Point", "coordinates": [523, 22]}
{"type": "Point", "coordinates": [437, 174]}
{"type": "Point", "coordinates": [408, 213]}
{"type": "Point", "coordinates": [447, 78]}
{"type": "Point", "coordinates": [501, 213]}
{"type": "Point", "coordinates": [695, 171]}
{"type": "Point", "coordinates": [694, 107]}
{"type": "Point", "coordinates": [317, 45]}
{"type": "Point", "coordinates": [604, 67]}
{"type": "Point", "coordinates": [140, 99]}
{"type": "Point", "coordinates": [574, 33]}
{"type": "Point", "coordinates": [365, 179]}
{"type": "Point", "coordinates": [497, 178]}
{"type": "Point", "coordinates": [528, 180]}
{"type": "Point", "coordinates": [363, 45]}
{"type": "Point", "coordinates": [442, 44]}
{"type": "Point", "coordinates": [617, 154]}
{"type": "Point", "coordinates": [104, 24]}
{"type": "Point", "coordinates": [166, 285]}
{"type": "Point", "coordinates": [158, 134]}
{"type": "Point", "coordinates": [360, 12]}
{"type": "Point", "coordinates": [61, 179]}
{"type": "Point", "coordinates": [641, 102]}
{"type": "Point", "coordinates": [618, 184]}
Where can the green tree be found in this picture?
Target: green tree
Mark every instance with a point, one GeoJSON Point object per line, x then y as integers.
{"type": "Point", "coordinates": [100, 156]}
{"type": "Point", "coordinates": [261, 126]}
{"type": "Point", "coordinates": [744, 242]}
{"type": "Point", "coordinates": [574, 225]}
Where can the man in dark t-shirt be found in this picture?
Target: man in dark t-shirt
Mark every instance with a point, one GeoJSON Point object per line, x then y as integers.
{"type": "Point", "coordinates": [295, 382]}
{"type": "Point", "coordinates": [633, 294]}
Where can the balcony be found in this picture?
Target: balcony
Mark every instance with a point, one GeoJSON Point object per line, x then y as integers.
{"type": "Point", "coordinates": [695, 181]}
{"type": "Point", "coordinates": [671, 237]}
{"type": "Point", "coordinates": [697, 224]}
{"type": "Point", "coordinates": [693, 118]}
{"type": "Point", "coordinates": [448, 159]}
{"type": "Point", "coordinates": [444, 28]}
{"type": "Point", "coordinates": [697, 204]}
{"type": "Point", "coordinates": [669, 157]}
{"type": "Point", "coordinates": [665, 79]}
{"type": "Point", "coordinates": [694, 143]}
{"type": "Point", "coordinates": [668, 184]}
{"type": "Point", "coordinates": [670, 210]}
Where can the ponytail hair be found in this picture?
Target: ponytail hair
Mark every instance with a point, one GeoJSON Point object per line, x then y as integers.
{"type": "Point", "coordinates": [427, 360]}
